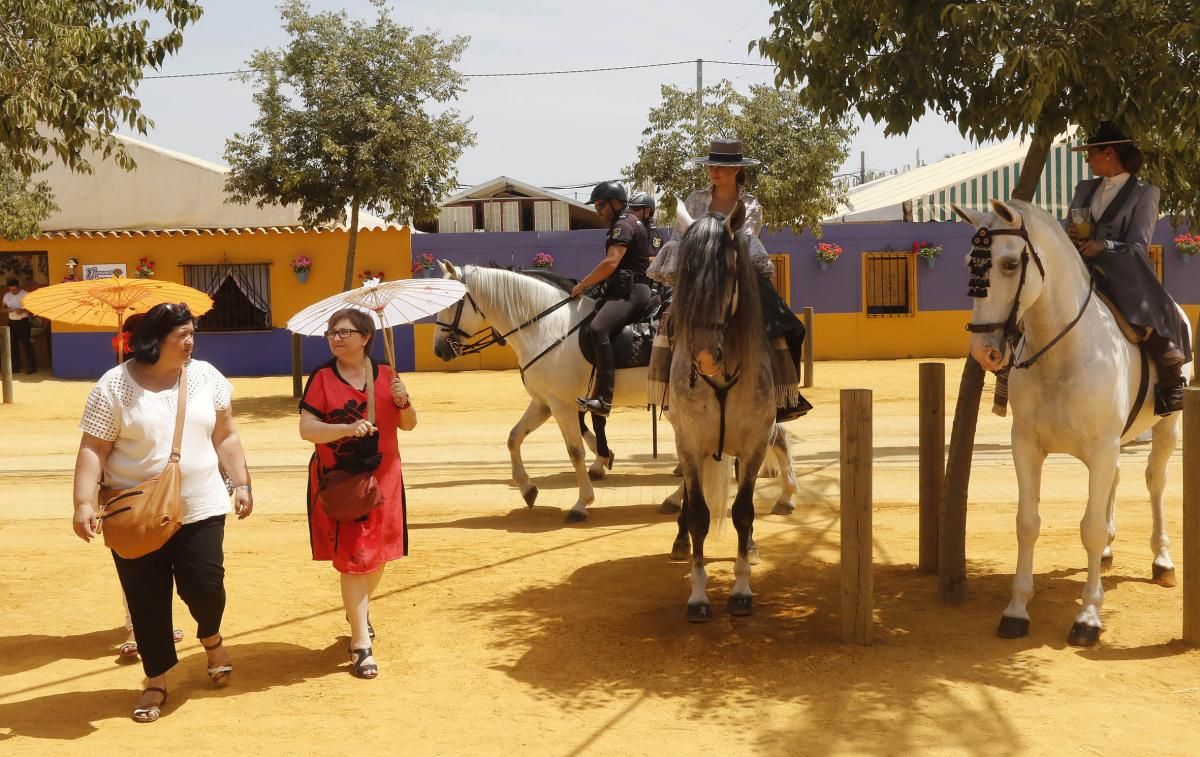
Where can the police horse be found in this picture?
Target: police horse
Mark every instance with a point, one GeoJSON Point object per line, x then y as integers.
{"type": "Point", "coordinates": [541, 323]}
{"type": "Point", "coordinates": [1077, 386]}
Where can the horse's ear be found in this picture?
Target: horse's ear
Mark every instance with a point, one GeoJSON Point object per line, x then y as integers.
{"type": "Point", "coordinates": [682, 219]}
{"type": "Point", "coordinates": [967, 215]}
{"type": "Point", "coordinates": [1005, 212]}
{"type": "Point", "coordinates": [449, 269]}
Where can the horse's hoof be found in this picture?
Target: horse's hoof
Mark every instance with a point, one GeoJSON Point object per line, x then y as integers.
{"type": "Point", "coordinates": [669, 508]}
{"type": "Point", "coordinates": [575, 516]}
{"type": "Point", "coordinates": [530, 496]}
{"type": "Point", "coordinates": [1012, 628]}
{"type": "Point", "coordinates": [1163, 576]}
{"type": "Point", "coordinates": [1106, 563]}
{"type": "Point", "coordinates": [699, 613]}
{"type": "Point", "coordinates": [741, 606]}
{"type": "Point", "coordinates": [783, 508]}
{"type": "Point", "coordinates": [596, 472]}
{"type": "Point", "coordinates": [752, 555]}
{"type": "Point", "coordinates": [1083, 635]}
{"type": "Point", "coordinates": [681, 550]}
{"type": "Point", "coordinates": [678, 470]}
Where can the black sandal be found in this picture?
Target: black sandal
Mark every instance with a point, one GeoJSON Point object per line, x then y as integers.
{"type": "Point", "coordinates": [219, 674]}
{"type": "Point", "coordinates": [150, 713]}
{"type": "Point", "coordinates": [361, 669]}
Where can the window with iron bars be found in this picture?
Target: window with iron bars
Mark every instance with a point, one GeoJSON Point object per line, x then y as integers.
{"type": "Point", "coordinates": [889, 284]}
{"type": "Point", "coordinates": [1155, 253]}
{"type": "Point", "coordinates": [782, 279]}
{"type": "Point", "coordinates": [241, 295]}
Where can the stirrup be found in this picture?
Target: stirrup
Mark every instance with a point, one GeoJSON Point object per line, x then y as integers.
{"type": "Point", "coordinates": [595, 405]}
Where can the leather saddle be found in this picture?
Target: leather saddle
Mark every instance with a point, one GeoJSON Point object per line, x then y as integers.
{"type": "Point", "coordinates": [632, 344]}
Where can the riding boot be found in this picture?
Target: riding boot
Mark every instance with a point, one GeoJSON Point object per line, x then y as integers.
{"type": "Point", "coordinates": [795, 344]}
{"type": "Point", "coordinates": [1169, 359]}
{"type": "Point", "coordinates": [600, 403]}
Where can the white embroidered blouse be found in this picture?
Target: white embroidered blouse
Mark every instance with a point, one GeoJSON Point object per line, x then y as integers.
{"type": "Point", "coordinates": [141, 425]}
{"type": "Point", "coordinates": [666, 263]}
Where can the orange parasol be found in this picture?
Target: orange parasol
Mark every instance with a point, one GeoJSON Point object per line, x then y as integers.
{"type": "Point", "coordinates": [107, 302]}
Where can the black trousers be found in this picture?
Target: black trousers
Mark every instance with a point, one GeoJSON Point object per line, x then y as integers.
{"type": "Point", "coordinates": [22, 338]}
{"type": "Point", "coordinates": [609, 319]}
{"type": "Point", "coordinates": [194, 560]}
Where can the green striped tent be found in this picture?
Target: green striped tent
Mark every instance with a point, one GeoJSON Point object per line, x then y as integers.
{"type": "Point", "coordinates": [969, 180]}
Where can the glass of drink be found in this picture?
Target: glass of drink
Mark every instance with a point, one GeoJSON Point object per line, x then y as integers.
{"type": "Point", "coordinates": [1081, 220]}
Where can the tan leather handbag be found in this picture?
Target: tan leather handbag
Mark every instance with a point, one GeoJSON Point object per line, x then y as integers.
{"type": "Point", "coordinates": [139, 520]}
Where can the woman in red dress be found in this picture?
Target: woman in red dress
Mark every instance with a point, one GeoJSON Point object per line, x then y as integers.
{"type": "Point", "coordinates": [333, 416]}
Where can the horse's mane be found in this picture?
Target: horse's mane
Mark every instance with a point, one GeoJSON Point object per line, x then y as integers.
{"type": "Point", "coordinates": [517, 297]}
{"type": "Point", "coordinates": [565, 283]}
{"type": "Point", "coordinates": [701, 285]}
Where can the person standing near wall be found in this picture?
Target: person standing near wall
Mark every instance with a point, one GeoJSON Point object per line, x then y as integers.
{"type": "Point", "coordinates": [21, 326]}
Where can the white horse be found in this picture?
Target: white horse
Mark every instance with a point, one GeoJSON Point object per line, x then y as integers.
{"type": "Point", "coordinates": [1077, 397]}
{"type": "Point", "coordinates": [554, 370]}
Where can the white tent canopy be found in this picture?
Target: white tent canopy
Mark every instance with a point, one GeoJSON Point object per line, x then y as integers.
{"type": "Point", "coordinates": [167, 190]}
{"type": "Point", "coordinates": [969, 180]}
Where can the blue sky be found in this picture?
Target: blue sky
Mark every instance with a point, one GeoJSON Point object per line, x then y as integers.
{"type": "Point", "coordinates": [553, 130]}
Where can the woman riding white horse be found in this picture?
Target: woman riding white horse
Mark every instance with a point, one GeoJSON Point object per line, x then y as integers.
{"type": "Point", "coordinates": [1077, 386]}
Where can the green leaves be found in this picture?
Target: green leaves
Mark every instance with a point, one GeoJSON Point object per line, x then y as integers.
{"type": "Point", "coordinates": [799, 155]}
{"type": "Point", "coordinates": [69, 70]}
{"type": "Point", "coordinates": [998, 69]}
{"type": "Point", "coordinates": [22, 206]}
{"type": "Point", "coordinates": [346, 120]}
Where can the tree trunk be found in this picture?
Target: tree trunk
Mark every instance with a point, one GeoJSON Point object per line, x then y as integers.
{"type": "Point", "coordinates": [1031, 170]}
{"type": "Point", "coordinates": [348, 282]}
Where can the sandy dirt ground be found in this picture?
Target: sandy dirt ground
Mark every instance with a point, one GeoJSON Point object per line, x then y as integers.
{"type": "Point", "coordinates": [508, 632]}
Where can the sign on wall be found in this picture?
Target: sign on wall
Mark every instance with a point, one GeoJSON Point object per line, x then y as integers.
{"type": "Point", "coordinates": [103, 271]}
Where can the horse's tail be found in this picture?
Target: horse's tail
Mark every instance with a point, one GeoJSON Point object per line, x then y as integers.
{"type": "Point", "coordinates": [714, 484]}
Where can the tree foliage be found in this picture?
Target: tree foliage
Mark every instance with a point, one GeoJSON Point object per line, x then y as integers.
{"type": "Point", "coordinates": [69, 70]}
{"type": "Point", "coordinates": [345, 121]}
{"type": "Point", "coordinates": [998, 69]}
{"type": "Point", "coordinates": [799, 155]}
{"type": "Point", "coordinates": [23, 205]}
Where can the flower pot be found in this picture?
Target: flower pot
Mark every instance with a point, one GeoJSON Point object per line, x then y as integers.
{"type": "Point", "coordinates": [930, 262]}
{"type": "Point", "coordinates": [1185, 257]}
{"type": "Point", "coordinates": [823, 265]}
{"type": "Point", "coordinates": [302, 276]}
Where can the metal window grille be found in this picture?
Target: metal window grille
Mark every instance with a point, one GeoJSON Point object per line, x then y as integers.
{"type": "Point", "coordinates": [889, 284]}
{"type": "Point", "coordinates": [241, 295]}
{"type": "Point", "coordinates": [782, 280]}
{"type": "Point", "coordinates": [1155, 253]}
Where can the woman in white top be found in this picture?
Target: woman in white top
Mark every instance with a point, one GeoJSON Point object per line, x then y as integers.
{"type": "Point", "coordinates": [128, 425]}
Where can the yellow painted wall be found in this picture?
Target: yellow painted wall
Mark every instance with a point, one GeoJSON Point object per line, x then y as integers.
{"type": "Point", "coordinates": [854, 336]}
{"type": "Point", "coordinates": [388, 250]}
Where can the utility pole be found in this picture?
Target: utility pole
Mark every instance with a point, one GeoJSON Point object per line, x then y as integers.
{"type": "Point", "coordinates": [862, 167]}
{"type": "Point", "coordinates": [699, 99]}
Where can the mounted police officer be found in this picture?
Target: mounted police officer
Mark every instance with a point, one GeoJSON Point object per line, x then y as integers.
{"type": "Point", "coordinates": [626, 290]}
{"type": "Point", "coordinates": [641, 204]}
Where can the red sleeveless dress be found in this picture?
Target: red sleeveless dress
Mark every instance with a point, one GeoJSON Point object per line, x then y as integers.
{"type": "Point", "coordinates": [363, 546]}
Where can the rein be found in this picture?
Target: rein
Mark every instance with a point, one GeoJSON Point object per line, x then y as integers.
{"type": "Point", "coordinates": [980, 264]}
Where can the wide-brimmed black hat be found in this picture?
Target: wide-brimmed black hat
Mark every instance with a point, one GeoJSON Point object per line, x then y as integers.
{"type": "Point", "coordinates": [725, 152]}
{"type": "Point", "coordinates": [1105, 136]}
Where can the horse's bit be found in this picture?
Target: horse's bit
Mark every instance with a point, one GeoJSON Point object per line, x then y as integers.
{"type": "Point", "coordinates": [980, 265]}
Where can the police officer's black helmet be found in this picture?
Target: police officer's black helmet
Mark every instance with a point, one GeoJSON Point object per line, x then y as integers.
{"type": "Point", "coordinates": [608, 190]}
{"type": "Point", "coordinates": [642, 200]}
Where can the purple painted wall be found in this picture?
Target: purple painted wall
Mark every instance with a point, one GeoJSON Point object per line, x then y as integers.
{"type": "Point", "coordinates": [836, 290]}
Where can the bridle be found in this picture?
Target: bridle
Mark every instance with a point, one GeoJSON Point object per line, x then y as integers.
{"type": "Point", "coordinates": [486, 337]}
{"type": "Point", "coordinates": [980, 265]}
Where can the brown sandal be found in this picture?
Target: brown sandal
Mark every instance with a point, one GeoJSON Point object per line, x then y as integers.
{"type": "Point", "coordinates": [150, 713]}
{"type": "Point", "coordinates": [218, 674]}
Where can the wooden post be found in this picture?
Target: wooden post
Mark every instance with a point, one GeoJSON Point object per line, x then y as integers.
{"type": "Point", "coordinates": [856, 456]}
{"type": "Point", "coordinates": [932, 460]}
{"type": "Point", "coordinates": [1191, 516]}
{"type": "Point", "coordinates": [297, 369]}
{"type": "Point", "coordinates": [952, 536]}
{"type": "Point", "coordinates": [808, 348]}
{"type": "Point", "coordinates": [654, 431]}
{"type": "Point", "coordinates": [6, 364]}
